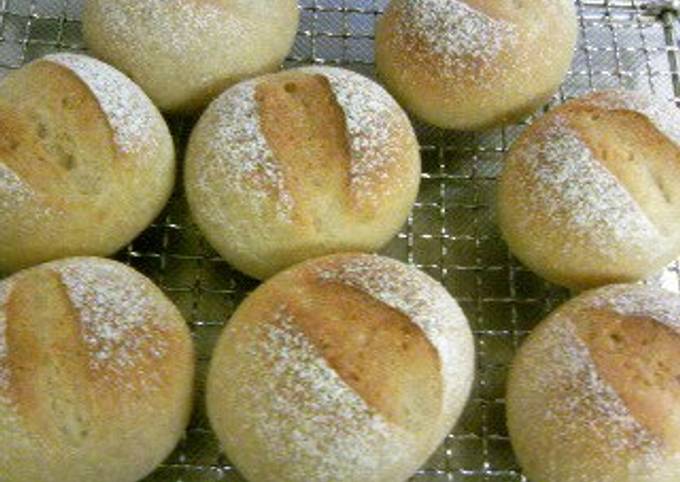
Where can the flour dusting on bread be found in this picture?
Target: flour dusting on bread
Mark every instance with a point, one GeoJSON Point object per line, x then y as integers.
{"type": "Point", "coordinates": [129, 111]}
{"type": "Point", "coordinates": [587, 397]}
{"type": "Point", "coordinates": [425, 302]}
{"type": "Point", "coordinates": [641, 302]}
{"type": "Point", "coordinates": [177, 24]}
{"type": "Point", "coordinates": [374, 120]}
{"type": "Point", "coordinates": [563, 180]}
{"type": "Point", "coordinates": [237, 151]}
{"type": "Point", "coordinates": [311, 414]}
{"type": "Point", "coordinates": [119, 320]}
{"type": "Point", "coordinates": [577, 403]}
{"type": "Point", "coordinates": [455, 31]}
{"type": "Point", "coordinates": [665, 116]}
{"type": "Point", "coordinates": [13, 191]}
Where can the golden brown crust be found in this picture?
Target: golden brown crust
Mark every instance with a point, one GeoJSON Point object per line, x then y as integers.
{"type": "Point", "coordinates": [96, 371]}
{"type": "Point", "coordinates": [617, 160]}
{"type": "Point", "coordinates": [183, 55]}
{"type": "Point", "coordinates": [42, 147]}
{"type": "Point", "coordinates": [90, 161]}
{"type": "Point", "coordinates": [421, 58]}
{"type": "Point", "coordinates": [640, 358]}
{"type": "Point", "coordinates": [275, 177]}
{"type": "Point", "coordinates": [319, 378]}
{"type": "Point", "coordinates": [507, 61]}
{"type": "Point", "coordinates": [306, 130]}
{"type": "Point", "coordinates": [404, 383]}
{"type": "Point", "coordinates": [50, 382]}
{"type": "Point", "coordinates": [631, 147]}
{"type": "Point", "coordinates": [593, 393]}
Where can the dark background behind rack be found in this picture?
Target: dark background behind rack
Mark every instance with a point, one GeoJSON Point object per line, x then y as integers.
{"type": "Point", "coordinates": [451, 234]}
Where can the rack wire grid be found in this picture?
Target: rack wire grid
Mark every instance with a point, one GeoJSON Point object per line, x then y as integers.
{"type": "Point", "coordinates": [451, 233]}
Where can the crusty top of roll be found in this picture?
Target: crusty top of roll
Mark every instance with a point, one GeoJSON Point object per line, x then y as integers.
{"type": "Point", "coordinates": [195, 46]}
{"type": "Point", "coordinates": [356, 362]}
{"type": "Point", "coordinates": [104, 93]}
{"type": "Point", "coordinates": [456, 30]}
{"type": "Point", "coordinates": [609, 362]}
{"type": "Point", "coordinates": [463, 37]}
{"type": "Point", "coordinates": [115, 325]}
{"type": "Point", "coordinates": [633, 336]}
{"type": "Point", "coordinates": [604, 166]}
{"type": "Point", "coordinates": [96, 369]}
{"type": "Point", "coordinates": [259, 130]}
{"type": "Point", "coordinates": [129, 111]}
{"type": "Point", "coordinates": [86, 160]}
{"type": "Point", "coordinates": [406, 290]}
{"type": "Point", "coordinates": [176, 26]}
{"type": "Point", "coordinates": [119, 328]}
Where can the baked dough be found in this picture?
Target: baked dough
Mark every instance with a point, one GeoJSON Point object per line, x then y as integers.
{"type": "Point", "coordinates": [346, 368]}
{"type": "Point", "coordinates": [589, 194]}
{"type": "Point", "coordinates": [593, 394]}
{"type": "Point", "coordinates": [475, 64]}
{"type": "Point", "coordinates": [186, 52]}
{"type": "Point", "coordinates": [86, 161]}
{"type": "Point", "coordinates": [300, 164]}
{"type": "Point", "coordinates": [96, 372]}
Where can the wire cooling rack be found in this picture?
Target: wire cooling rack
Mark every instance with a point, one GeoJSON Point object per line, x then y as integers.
{"type": "Point", "coordinates": [451, 233]}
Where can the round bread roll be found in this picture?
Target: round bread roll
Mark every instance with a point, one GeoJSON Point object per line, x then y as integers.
{"type": "Point", "coordinates": [594, 393]}
{"type": "Point", "coordinates": [590, 194]}
{"type": "Point", "coordinates": [86, 161]}
{"type": "Point", "coordinates": [347, 368]}
{"type": "Point", "coordinates": [475, 64]}
{"type": "Point", "coordinates": [96, 371]}
{"type": "Point", "coordinates": [301, 164]}
{"type": "Point", "coordinates": [185, 52]}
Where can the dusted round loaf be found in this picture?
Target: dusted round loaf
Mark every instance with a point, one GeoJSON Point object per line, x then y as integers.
{"type": "Point", "coordinates": [347, 368]}
{"type": "Point", "coordinates": [96, 370]}
{"type": "Point", "coordinates": [474, 64]}
{"type": "Point", "coordinates": [185, 52]}
{"type": "Point", "coordinates": [594, 393]}
{"type": "Point", "coordinates": [301, 164]}
{"type": "Point", "coordinates": [86, 161]}
{"type": "Point", "coordinates": [590, 194]}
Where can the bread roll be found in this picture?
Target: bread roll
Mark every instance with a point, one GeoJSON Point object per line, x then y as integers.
{"type": "Point", "coordinates": [86, 161]}
{"type": "Point", "coordinates": [475, 64]}
{"type": "Point", "coordinates": [300, 164]}
{"type": "Point", "coordinates": [594, 393]}
{"type": "Point", "coordinates": [590, 194]}
{"type": "Point", "coordinates": [346, 368]}
{"type": "Point", "coordinates": [185, 52]}
{"type": "Point", "coordinates": [96, 369]}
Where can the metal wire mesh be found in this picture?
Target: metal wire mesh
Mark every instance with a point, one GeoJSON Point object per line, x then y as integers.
{"type": "Point", "coordinates": [451, 233]}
